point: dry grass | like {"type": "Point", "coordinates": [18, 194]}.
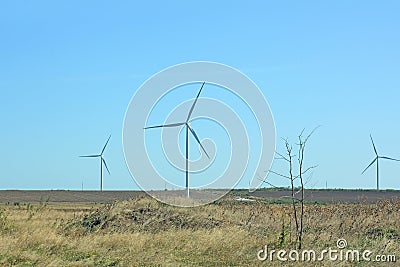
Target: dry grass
{"type": "Point", "coordinates": [143, 232]}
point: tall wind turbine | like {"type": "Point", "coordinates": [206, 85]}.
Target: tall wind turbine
{"type": "Point", "coordinates": [377, 163]}
{"type": "Point", "coordinates": [102, 161]}
{"type": "Point", "coordinates": [188, 128]}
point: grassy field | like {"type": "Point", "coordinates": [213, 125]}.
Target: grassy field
{"type": "Point", "coordinates": [143, 232]}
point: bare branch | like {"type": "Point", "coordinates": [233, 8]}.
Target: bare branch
{"type": "Point", "coordinates": [311, 133]}
{"type": "Point", "coordinates": [282, 157]}
{"type": "Point", "coordinates": [265, 181]}
{"type": "Point", "coordinates": [308, 180]}
{"type": "Point", "coordinates": [281, 175]}
{"type": "Point", "coordinates": [309, 168]}
{"type": "Point", "coordinates": [302, 131]}
{"type": "Point", "coordinates": [302, 141]}
{"type": "Point", "coordinates": [298, 191]}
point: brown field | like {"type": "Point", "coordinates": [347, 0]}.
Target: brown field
{"type": "Point", "coordinates": [67, 196]}
{"type": "Point", "coordinates": [70, 229]}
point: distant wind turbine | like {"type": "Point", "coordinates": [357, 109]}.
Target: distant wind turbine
{"type": "Point", "coordinates": [102, 161]}
{"type": "Point", "coordinates": [188, 128]}
{"type": "Point", "coordinates": [377, 163]}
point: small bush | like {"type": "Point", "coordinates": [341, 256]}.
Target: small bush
{"type": "Point", "coordinates": [5, 225]}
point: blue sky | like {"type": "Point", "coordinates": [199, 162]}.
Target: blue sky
{"type": "Point", "coordinates": [68, 70]}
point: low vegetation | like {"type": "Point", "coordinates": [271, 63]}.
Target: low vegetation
{"type": "Point", "coordinates": [143, 232]}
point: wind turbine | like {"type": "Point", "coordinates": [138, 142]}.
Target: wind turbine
{"type": "Point", "coordinates": [377, 163]}
{"type": "Point", "coordinates": [102, 161]}
{"type": "Point", "coordinates": [188, 128]}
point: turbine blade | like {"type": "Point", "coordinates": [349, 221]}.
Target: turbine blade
{"type": "Point", "coordinates": [90, 156]}
{"type": "Point", "coordinates": [389, 158]}
{"type": "Point", "coordinates": [376, 153]}
{"type": "Point", "coordinates": [370, 165]}
{"type": "Point", "coordinates": [102, 151]}
{"type": "Point", "coordinates": [198, 140]}
{"type": "Point", "coordinates": [194, 103]}
{"type": "Point", "coordinates": [165, 125]}
{"type": "Point", "coordinates": [105, 164]}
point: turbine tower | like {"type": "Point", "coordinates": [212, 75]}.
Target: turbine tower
{"type": "Point", "coordinates": [377, 163]}
{"type": "Point", "coordinates": [102, 161]}
{"type": "Point", "coordinates": [188, 128]}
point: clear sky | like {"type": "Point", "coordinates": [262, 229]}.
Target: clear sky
{"type": "Point", "coordinates": [68, 70]}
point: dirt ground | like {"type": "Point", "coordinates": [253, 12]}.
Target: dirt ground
{"type": "Point", "coordinates": [15, 197]}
